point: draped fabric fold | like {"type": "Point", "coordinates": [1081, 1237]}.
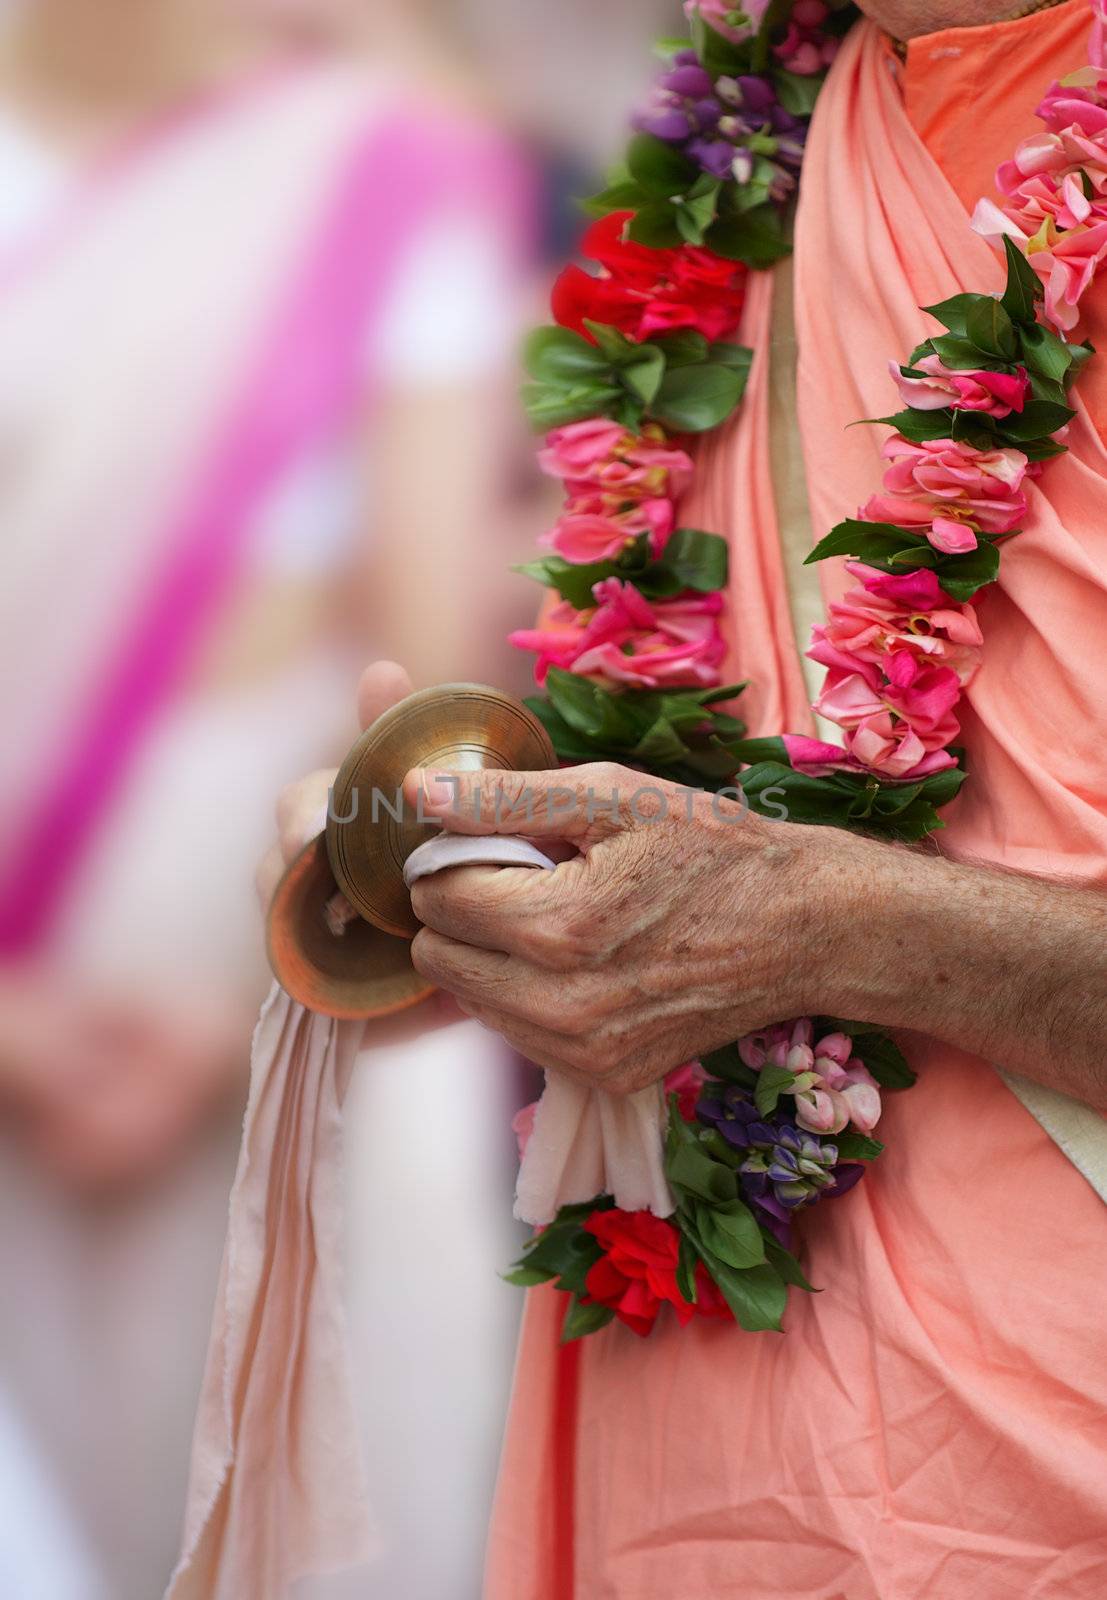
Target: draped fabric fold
{"type": "Point", "coordinates": [1034, 799]}
{"type": "Point", "coordinates": [277, 1485]}
{"type": "Point", "coordinates": [900, 1439]}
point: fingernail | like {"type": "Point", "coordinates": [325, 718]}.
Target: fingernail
{"type": "Point", "coordinates": [438, 790]}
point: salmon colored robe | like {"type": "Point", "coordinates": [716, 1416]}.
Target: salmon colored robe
{"type": "Point", "coordinates": [933, 1425]}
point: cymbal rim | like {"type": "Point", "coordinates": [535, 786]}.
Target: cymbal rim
{"type": "Point", "coordinates": [361, 974]}
{"type": "Point", "coordinates": [370, 833]}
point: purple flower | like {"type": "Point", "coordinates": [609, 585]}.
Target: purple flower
{"type": "Point", "coordinates": [730, 127]}
{"type": "Point", "coordinates": [784, 1166]}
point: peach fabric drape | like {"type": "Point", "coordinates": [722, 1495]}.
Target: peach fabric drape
{"type": "Point", "coordinates": [277, 1487]}
{"type": "Point", "coordinates": [932, 1423]}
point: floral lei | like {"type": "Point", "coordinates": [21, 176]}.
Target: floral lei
{"type": "Point", "coordinates": [629, 657]}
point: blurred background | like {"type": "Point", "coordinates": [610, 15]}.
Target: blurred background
{"type": "Point", "coordinates": [264, 265]}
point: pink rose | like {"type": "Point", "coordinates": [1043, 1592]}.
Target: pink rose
{"type": "Point", "coordinates": [870, 623]}
{"type": "Point", "coordinates": [620, 485]}
{"type": "Point", "coordinates": [939, 484]}
{"type": "Point", "coordinates": [818, 757]}
{"type": "Point", "coordinates": [806, 49]}
{"type": "Point", "coordinates": [686, 1082]}
{"type": "Point", "coordinates": [522, 1126]}
{"type": "Point", "coordinates": [898, 722]}
{"type": "Point", "coordinates": [1066, 261]}
{"type": "Point", "coordinates": [601, 456]}
{"type": "Point", "coordinates": [626, 640]}
{"type": "Point", "coordinates": [996, 394]}
{"type": "Point", "coordinates": [734, 22]}
{"type": "Point", "coordinates": [600, 527]}
{"type": "Point", "coordinates": [838, 1096]}
{"type": "Point", "coordinates": [832, 1086]}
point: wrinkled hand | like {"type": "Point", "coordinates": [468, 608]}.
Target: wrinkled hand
{"type": "Point", "coordinates": [301, 813]}
{"type": "Point", "coordinates": [302, 806]}
{"type": "Point", "coordinates": [683, 922]}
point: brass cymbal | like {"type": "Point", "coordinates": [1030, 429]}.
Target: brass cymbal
{"type": "Point", "coordinates": [352, 971]}
{"type": "Point", "coordinates": [371, 830]}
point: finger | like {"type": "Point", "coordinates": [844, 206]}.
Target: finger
{"type": "Point", "coordinates": [269, 874]}
{"type": "Point", "coordinates": [382, 685]}
{"type": "Point", "coordinates": [583, 804]}
{"type": "Point", "coordinates": [488, 978]}
{"type": "Point", "coordinates": [496, 908]}
{"type": "Point", "coordinates": [540, 1045]}
{"type": "Point", "coordinates": [302, 811]}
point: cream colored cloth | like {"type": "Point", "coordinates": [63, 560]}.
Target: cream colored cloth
{"type": "Point", "coordinates": [1075, 1128]}
{"type": "Point", "coordinates": [584, 1142]}
{"type": "Point", "coordinates": [277, 1482]}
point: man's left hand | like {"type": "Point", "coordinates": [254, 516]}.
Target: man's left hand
{"type": "Point", "coordinates": [684, 921]}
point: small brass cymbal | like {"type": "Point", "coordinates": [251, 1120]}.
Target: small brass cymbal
{"type": "Point", "coordinates": [371, 830]}
{"type": "Point", "coordinates": [349, 971]}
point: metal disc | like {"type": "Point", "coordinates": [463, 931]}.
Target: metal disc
{"type": "Point", "coordinates": [371, 830]}
{"type": "Point", "coordinates": [360, 972]}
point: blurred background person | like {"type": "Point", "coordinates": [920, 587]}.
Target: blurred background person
{"type": "Point", "coordinates": [262, 269]}
{"type": "Point", "coordinates": [258, 278]}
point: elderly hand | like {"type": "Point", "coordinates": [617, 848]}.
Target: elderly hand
{"type": "Point", "coordinates": [302, 806]}
{"type": "Point", "coordinates": [683, 923]}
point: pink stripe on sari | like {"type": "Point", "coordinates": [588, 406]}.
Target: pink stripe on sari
{"type": "Point", "coordinates": [307, 377]}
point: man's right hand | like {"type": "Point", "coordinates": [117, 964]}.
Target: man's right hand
{"type": "Point", "coordinates": [302, 806]}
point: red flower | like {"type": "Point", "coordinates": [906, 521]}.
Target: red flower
{"type": "Point", "coordinates": [636, 1275]}
{"type": "Point", "coordinates": [643, 291]}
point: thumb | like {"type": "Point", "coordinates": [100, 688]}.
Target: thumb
{"type": "Point", "coordinates": [585, 803]}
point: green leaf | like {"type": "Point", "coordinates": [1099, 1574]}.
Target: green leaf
{"type": "Point", "coordinates": [856, 537]}
{"type": "Point", "coordinates": [581, 1319]}
{"type": "Point", "coordinates": [1038, 419]}
{"type": "Point", "coordinates": [917, 425]}
{"type": "Point", "coordinates": [962, 576]}
{"type": "Point", "coordinates": [952, 313]}
{"type": "Point", "coordinates": [717, 54]}
{"type": "Point", "coordinates": [558, 355]}
{"type": "Point", "coordinates": [787, 1265]}
{"type": "Point", "coordinates": [696, 212]}
{"type": "Point", "coordinates": [683, 348]}
{"type": "Point", "coordinates": [552, 406]}
{"type": "Point", "coordinates": [756, 237]}
{"type": "Point", "coordinates": [696, 559]}
{"type": "Point", "coordinates": [644, 376]}
{"type": "Point", "coordinates": [623, 196]}
{"type": "Point", "coordinates": [726, 1063]}
{"type": "Point", "coordinates": [883, 1057]}
{"type": "Point", "coordinates": [771, 1084]}
{"type": "Point", "coordinates": [991, 329]}
{"type": "Point", "coordinates": [588, 708]}
{"type": "Point", "coordinates": [573, 581]}
{"type": "Point", "coordinates": [659, 168]}
{"type": "Point", "coordinates": [659, 746]}
{"type": "Point", "coordinates": [724, 354]}
{"type": "Point", "coordinates": [691, 1168]}
{"type": "Point", "coordinates": [961, 353]}
{"type": "Point", "coordinates": [857, 1146]}
{"type": "Point", "coordinates": [730, 1232]}
{"type": "Point", "coordinates": [1044, 353]}
{"type": "Point", "coordinates": [525, 1277]}
{"type": "Point", "coordinates": [797, 94]}
{"type": "Point", "coordinates": [687, 1258]}
{"type": "Point", "coordinates": [1024, 287]}
{"type": "Point", "coordinates": [757, 1296]}
{"type": "Point", "coordinates": [694, 399]}
{"type": "Point", "coordinates": [655, 225]}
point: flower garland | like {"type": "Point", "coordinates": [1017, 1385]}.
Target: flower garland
{"type": "Point", "coordinates": [641, 355]}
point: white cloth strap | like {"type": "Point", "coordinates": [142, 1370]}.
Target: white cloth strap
{"type": "Point", "coordinates": [584, 1141]}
